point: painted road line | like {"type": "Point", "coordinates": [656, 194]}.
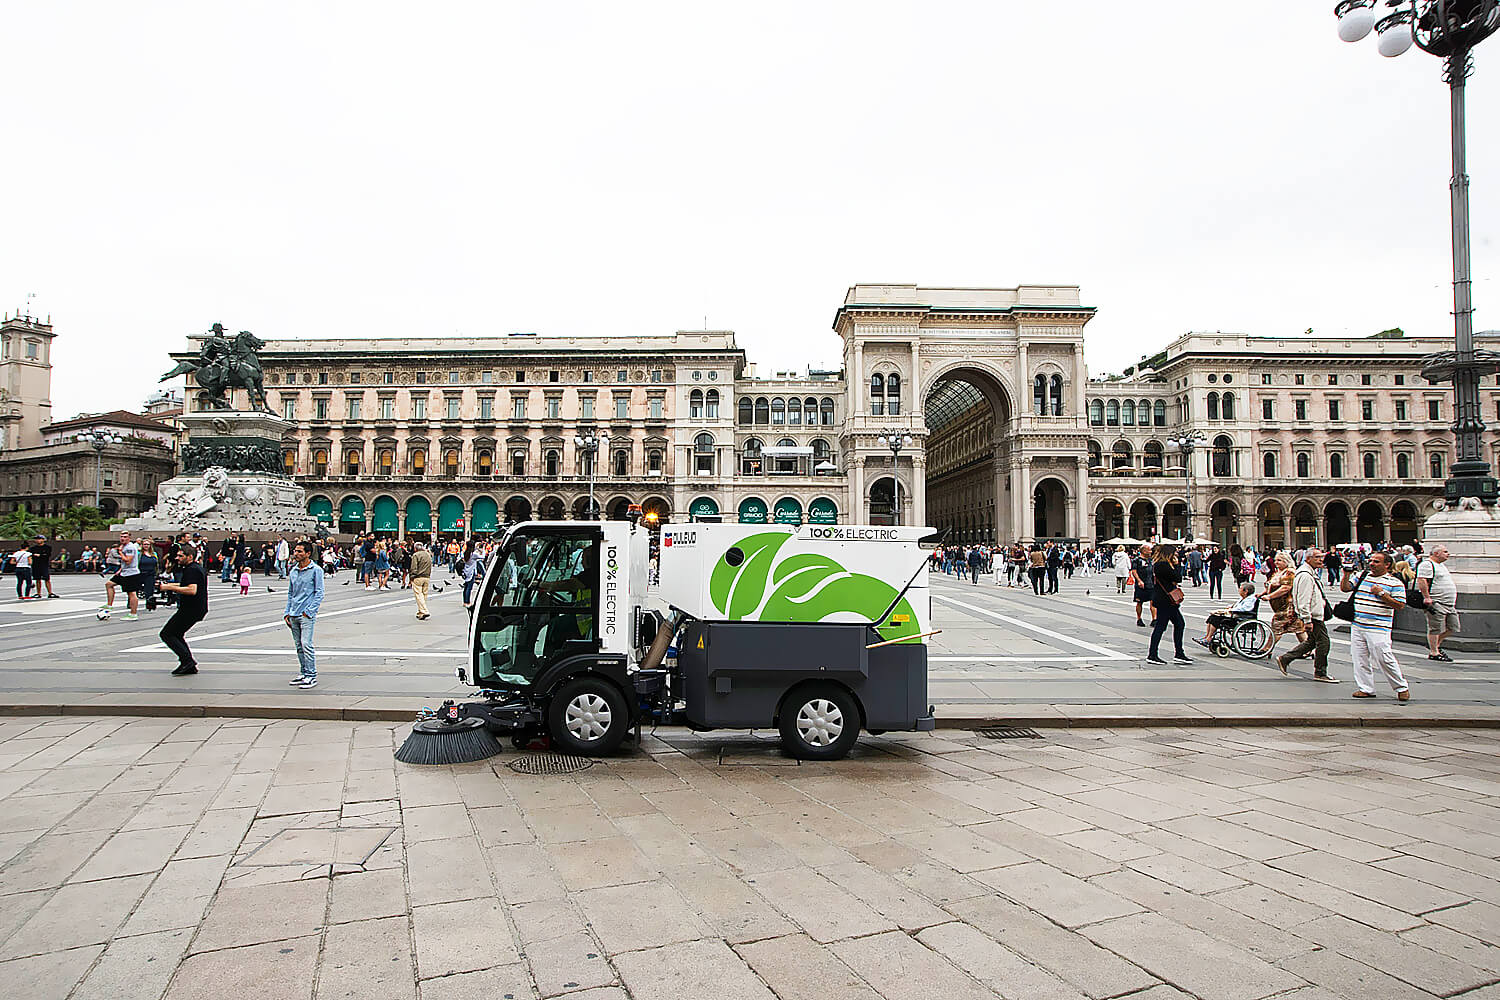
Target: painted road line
{"type": "Point", "coordinates": [1106, 653]}
{"type": "Point", "coordinates": [1011, 659]}
{"type": "Point", "coordinates": [278, 623]}
{"type": "Point", "coordinates": [365, 653]}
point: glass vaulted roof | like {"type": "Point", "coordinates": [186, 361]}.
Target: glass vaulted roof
{"type": "Point", "coordinates": [950, 401]}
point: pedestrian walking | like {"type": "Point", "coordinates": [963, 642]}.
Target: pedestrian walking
{"type": "Point", "coordinates": [1278, 594]}
{"type": "Point", "coordinates": [1435, 581]}
{"type": "Point", "coordinates": [21, 560]}
{"type": "Point", "coordinates": [1377, 594]}
{"type": "Point", "coordinates": [1195, 566]}
{"type": "Point", "coordinates": [283, 557]}
{"type": "Point", "coordinates": [1143, 575]}
{"type": "Point", "coordinates": [1121, 563]}
{"type": "Point", "coordinates": [1310, 604]}
{"type": "Point", "coordinates": [976, 562]}
{"type": "Point", "coordinates": [421, 578]}
{"type": "Point", "coordinates": [304, 596]}
{"type": "Point", "coordinates": [127, 578]}
{"type": "Point", "coordinates": [191, 589]}
{"type": "Point", "coordinates": [1166, 603]}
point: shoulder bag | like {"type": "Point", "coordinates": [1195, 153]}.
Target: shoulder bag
{"type": "Point", "coordinates": [1344, 610]}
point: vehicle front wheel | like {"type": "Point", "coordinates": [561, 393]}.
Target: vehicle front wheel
{"type": "Point", "coordinates": [588, 716]}
{"type": "Point", "coordinates": [819, 722]}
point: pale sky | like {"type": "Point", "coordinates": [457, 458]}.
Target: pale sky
{"type": "Point", "coordinates": [371, 169]}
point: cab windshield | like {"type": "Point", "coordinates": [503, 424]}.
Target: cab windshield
{"type": "Point", "coordinates": [539, 606]}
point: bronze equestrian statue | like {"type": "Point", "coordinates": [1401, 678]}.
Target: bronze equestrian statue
{"type": "Point", "coordinates": [224, 364]}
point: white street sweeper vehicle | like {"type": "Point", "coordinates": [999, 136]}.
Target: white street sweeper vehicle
{"type": "Point", "coordinates": [816, 630]}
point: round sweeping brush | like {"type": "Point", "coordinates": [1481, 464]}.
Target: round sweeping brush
{"type": "Point", "coordinates": [440, 741]}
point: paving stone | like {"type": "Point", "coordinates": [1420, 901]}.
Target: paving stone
{"type": "Point", "coordinates": [77, 915]}
{"type": "Point", "coordinates": [662, 842]}
{"type": "Point", "coordinates": [559, 947]}
{"type": "Point", "coordinates": [821, 908]}
{"type": "Point", "coordinates": [444, 870]}
{"type": "Point", "coordinates": [179, 897]}
{"type": "Point", "coordinates": [682, 970]}
{"type": "Point", "coordinates": [996, 966]}
{"type": "Point", "coordinates": [368, 958]}
{"type": "Point", "coordinates": [1476, 919]}
{"type": "Point", "coordinates": [488, 984]}
{"type": "Point", "coordinates": [729, 905]}
{"type": "Point", "coordinates": [284, 800]}
{"type": "Point", "coordinates": [50, 860]}
{"type": "Point", "coordinates": [900, 968]}
{"type": "Point", "coordinates": [135, 968]}
{"type": "Point", "coordinates": [1057, 895]}
{"type": "Point", "coordinates": [797, 968]}
{"type": "Point", "coordinates": [643, 915]}
{"type": "Point", "coordinates": [1468, 950]}
{"type": "Point", "coordinates": [606, 861]}
{"type": "Point", "coordinates": [463, 936]}
{"type": "Point", "coordinates": [964, 850]}
{"type": "Point", "coordinates": [524, 872]}
{"type": "Point", "coordinates": [1396, 957]}
{"type": "Point", "coordinates": [51, 976]}
{"type": "Point", "coordinates": [135, 852]}
{"type": "Point", "coordinates": [500, 824]}
{"type": "Point", "coordinates": [1268, 906]}
{"type": "Point", "coordinates": [1331, 898]}
{"type": "Point", "coordinates": [1049, 848]}
{"type": "Point", "coordinates": [243, 915]}
{"type": "Point", "coordinates": [570, 823]}
{"type": "Point", "coordinates": [368, 896]}
{"type": "Point", "coordinates": [278, 970]}
{"type": "Point", "coordinates": [1396, 891]}
{"type": "Point", "coordinates": [219, 831]}
{"type": "Point", "coordinates": [907, 908]}
{"type": "Point", "coordinates": [1350, 979]}
{"type": "Point", "coordinates": [437, 822]}
{"type": "Point", "coordinates": [1190, 959]}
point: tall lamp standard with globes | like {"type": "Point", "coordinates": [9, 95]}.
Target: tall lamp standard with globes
{"type": "Point", "coordinates": [589, 443]}
{"type": "Point", "coordinates": [895, 439]}
{"type": "Point", "coordinates": [1185, 443]}
{"type": "Point", "coordinates": [1449, 29]}
{"type": "Point", "coordinates": [98, 440]}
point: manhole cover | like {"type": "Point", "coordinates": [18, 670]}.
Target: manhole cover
{"type": "Point", "coordinates": [1008, 733]}
{"type": "Point", "coordinates": [548, 763]}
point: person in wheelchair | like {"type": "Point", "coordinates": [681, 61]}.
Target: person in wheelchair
{"type": "Point", "coordinates": [1248, 606]}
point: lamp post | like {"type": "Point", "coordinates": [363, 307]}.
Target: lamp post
{"type": "Point", "coordinates": [1449, 29]}
{"type": "Point", "coordinates": [1185, 443]}
{"type": "Point", "coordinates": [590, 443]}
{"type": "Point", "coordinates": [98, 440]}
{"type": "Point", "coordinates": [895, 439]}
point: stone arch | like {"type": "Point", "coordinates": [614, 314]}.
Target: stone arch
{"type": "Point", "coordinates": [967, 406]}
{"type": "Point", "coordinates": [1369, 522]}
{"type": "Point", "coordinates": [1049, 510]}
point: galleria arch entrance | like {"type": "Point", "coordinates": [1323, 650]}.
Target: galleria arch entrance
{"type": "Point", "coordinates": [968, 419]}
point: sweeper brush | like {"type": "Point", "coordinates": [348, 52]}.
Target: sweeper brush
{"type": "Point", "coordinates": [446, 740]}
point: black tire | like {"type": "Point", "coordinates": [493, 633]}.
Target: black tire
{"type": "Point", "coordinates": [819, 722]}
{"type": "Point", "coordinates": [588, 716]}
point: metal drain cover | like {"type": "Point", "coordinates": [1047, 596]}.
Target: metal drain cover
{"type": "Point", "coordinates": [549, 763]}
{"type": "Point", "coordinates": [1008, 733]}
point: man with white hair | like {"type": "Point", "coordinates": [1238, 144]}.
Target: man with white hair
{"type": "Point", "coordinates": [1436, 584]}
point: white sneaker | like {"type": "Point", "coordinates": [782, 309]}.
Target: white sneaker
{"type": "Point", "coordinates": [295, 681]}
{"type": "Point", "coordinates": [368, 587]}
{"type": "Point", "coordinates": [307, 682]}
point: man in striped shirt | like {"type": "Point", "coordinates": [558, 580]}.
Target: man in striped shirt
{"type": "Point", "coordinates": [1380, 593]}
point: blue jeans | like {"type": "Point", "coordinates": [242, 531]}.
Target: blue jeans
{"type": "Point", "coordinates": [302, 638]}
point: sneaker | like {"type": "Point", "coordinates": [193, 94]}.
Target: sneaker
{"type": "Point", "coordinates": [1155, 659]}
{"type": "Point", "coordinates": [308, 682]}
{"type": "Point", "coordinates": [51, 597]}
{"type": "Point", "coordinates": [1440, 656]}
{"type": "Point", "coordinates": [1202, 641]}
{"type": "Point", "coordinates": [1182, 658]}
{"type": "Point", "coordinates": [129, 616]}
{"type": "Point", "coordinates": [184, 671]}
{"type": "Point", "coordinates": [295, 681]}
{"type": "Point", "coordinates": [1325, 679]}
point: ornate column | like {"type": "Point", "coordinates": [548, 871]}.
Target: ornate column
{"type": "Point", "coordinates": [1023, 384]}
{"type": "Point", "coordinates": [919, 484]}
{"type": "Point", "coordinates": [860, 507]}
{"type": "Point", "coordinates": [1021, 500]}
{"type": "Point", "coordinates": [1080, 383]}
{"type": "Point", "coordinates": [858, 379]}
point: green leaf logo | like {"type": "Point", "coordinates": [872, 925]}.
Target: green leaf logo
{"type": "Point", "coordinates": [736, 590]}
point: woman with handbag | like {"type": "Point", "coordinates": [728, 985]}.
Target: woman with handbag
{"type": "Point", "coordinates": [1278, 593]}
{"type": "Point", "coordinates": [1166, 602]}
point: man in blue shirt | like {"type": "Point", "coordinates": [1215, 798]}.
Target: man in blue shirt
{"type": "Point", "coordinates": [304, 595]}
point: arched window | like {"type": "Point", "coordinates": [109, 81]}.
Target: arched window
{"type": "Point", "coordinates": [289, 462]}
{"type": "Point", "coordinates": [1304, 465]}
{"type": "Point", "coordinates": [1228, 406]}
{"type": "Point", "coordinates": [786, 464]}
{"type": "Point", "coordinates": [450, 463]}
{"type": "Point", "coordinates": [1127, 412]}
{"type": "Point", "coordinates": [1121, 456]}
{"type": "Point", "coordinates": [1039, 395]}
{"type": "Point", "coordinates": [419, 462]}
{"type": "Point", "coordinates": [703, 454]}
{"type": "Point", "coordinates": [826, 407]}
{"type": "Point", "coordinates": [1096, 453]}
{"type": "Point", "coordinates": [1112, 413]}
{"type": "Point", "coordinates": [320, 462]}
{"type": "Point", "coordinates": [695, 404]}
{"type": "Point", "coordinates": [1096, 412]}
{"type": "Point", "coordinates": [1159, 413]}
{"type": "Point", "coordinates": [653, 461]}
{"type": "Point", "coordinates": [810, 408]}
{"type": "Point", "coordinates": [1143, 413]}
{"type": "Point", "coordinates": [551, 462]}
{"type": "Point", "coordinates": [1221, 454]}
{"type": "Point", "coordinates": [1268, 465]}
{"type": "Point", "coordinates": [1336, 465]}
{"type": "Point", "coordinates": [1403, 466]}
{"type": "Point", "coordinates": [386, 460]}
{"type": "Point", "coordinates": [1435, 464]}
{"type": "Point", "coordinates": [822, 455]}
{"type": "Point", "coordinates": [1057, 395]}
{"type": "Point", "coordinates": [711, 401]}
{"type": "Point", "coordinates": [794, 412]}
{"type": "Point", "coordinates": [1154, 455]}
{"type": "Point", "coordinates": [877, 394]}
{"type": "Point", "coordinates": [762, 410]}
{"type": "Point", "coordinates": [747, 411]}
{"type": "Point", "coordinates": [750, 460]}
{"type": "Point", "coordinates": [1369, 460]}
{"type": "Point", "coordinates": [778, 411]}
{"type": "Point", "coordinates": [351, 463]}
{"type": "Point", "coordinates": [484, 463]}
{"type": "Point", "coordinates": [622, 462]}
{"type": "Point", "coordinates": [1213, 406]}
{"type": "Point", "coordinates": [893, 394]}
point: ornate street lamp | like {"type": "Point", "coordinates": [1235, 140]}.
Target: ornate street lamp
{"type": "Point", "coordinates": [98, 440]}
{"type": "Point", "coordinates": [590, 443]}
{"type": "Point", "coordinates": [1185, 443]}
{"type": "Point", "coordinates": [895, 439]}
{"type": "Point", "coordinates": [1449, 29]}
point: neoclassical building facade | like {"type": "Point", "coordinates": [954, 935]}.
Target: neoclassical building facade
{"type": "Point", "coordinates": [967, 409]}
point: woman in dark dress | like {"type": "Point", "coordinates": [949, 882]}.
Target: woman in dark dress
{"type": "Point", "coordinates": [1166, 596]}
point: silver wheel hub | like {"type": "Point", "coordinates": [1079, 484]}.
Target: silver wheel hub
{"type": "Point", "coordinates": [819, 722]}
{"type": "Point", "coordinates": [588, 717]}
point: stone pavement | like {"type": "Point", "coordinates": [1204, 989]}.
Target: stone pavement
{"type": "Point", "coordinates": [1075, 658]}
{"type": "Point", "coordinates": [234, 858]}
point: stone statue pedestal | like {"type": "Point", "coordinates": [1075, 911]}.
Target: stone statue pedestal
{"type": "Point", "coordinates": [231, 480]}
{"type": "Point", "coordinates": [1471, 533]}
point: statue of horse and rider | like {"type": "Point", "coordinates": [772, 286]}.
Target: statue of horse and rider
{"type": "Point", "coordinates": [223, 364]}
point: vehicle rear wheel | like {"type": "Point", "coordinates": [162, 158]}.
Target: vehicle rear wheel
{"type": "Point", "coordinates": [588, 716]}
{"type": "Point", "coordinates": [819, 722]}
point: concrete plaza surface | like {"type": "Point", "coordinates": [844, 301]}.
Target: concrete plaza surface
{"type": "Point", "coordinates": [142, 858]}
{"type": "Point", "coordinates": [1075, 658]}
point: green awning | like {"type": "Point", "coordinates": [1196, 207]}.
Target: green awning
{"type": "Point", "coordinates": [753, 510]}
{"type": "Point", "coordinates": [822, 511]}
{"type": "Point", "coordinates": [418, 514]}
{"type": "Point", "coordinates": [450, 514]}
{"type": "Point", "coordinates": [788, 511]}
{"type": "Point", "coordinates": [703, 507]}
{"type": "Point", "coordinates": [352, 509]}
{"type": "Point", "coordinates": [386, 515]}
{"type": "Point", "coordinates": [486, 516]}
{"type": "Point", "coordinates": [321, 508]}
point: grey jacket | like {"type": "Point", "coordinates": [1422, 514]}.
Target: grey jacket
{"type": "Point", "coordinates": [1307, 594]}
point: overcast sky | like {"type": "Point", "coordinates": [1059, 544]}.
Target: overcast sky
{"type": "Point", "coordinates": [312, 170]}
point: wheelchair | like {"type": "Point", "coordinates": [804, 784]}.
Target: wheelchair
{"type": "Point", "coordinates": [1248, 636]}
